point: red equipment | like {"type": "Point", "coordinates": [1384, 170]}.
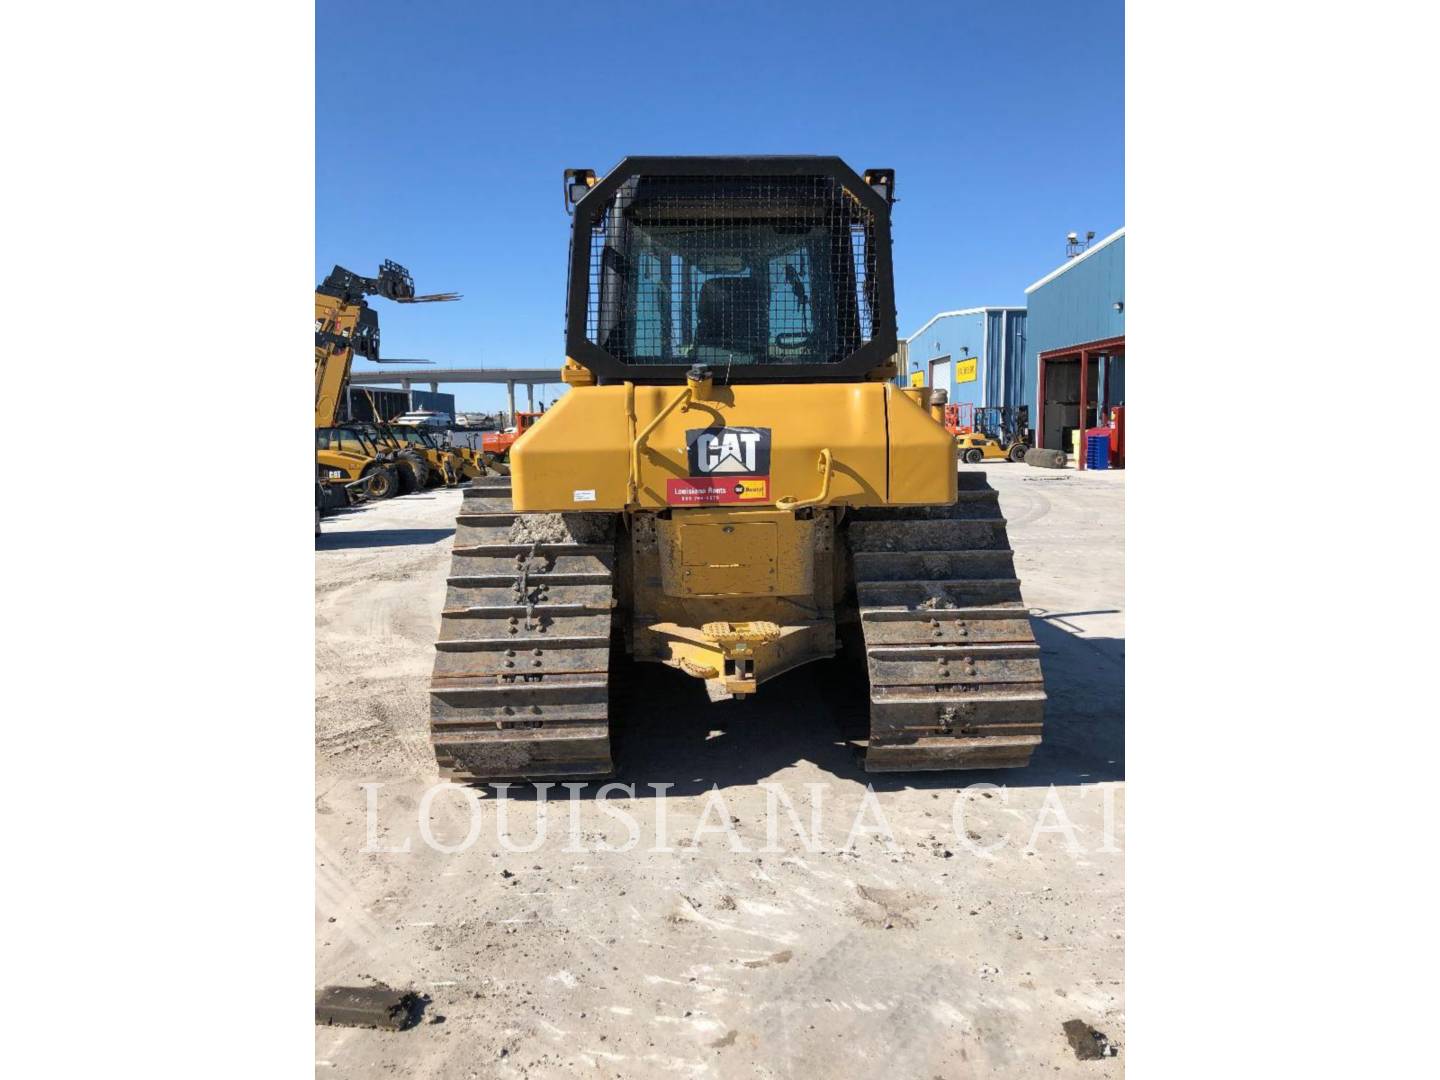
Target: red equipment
{"type": "Point", "coordinates": [499, 442]}
{"type": "Point", "coordinates": [960, 418]}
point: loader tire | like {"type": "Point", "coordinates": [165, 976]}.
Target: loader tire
{"type": "Point", "coordinates": [414, 473]}
{"type": "Point", "coordinates": [974, 456]}
{"type": "Point", "coordinates": [1018, 452]}
{"type": "Point", "coordinates": [384, 482]}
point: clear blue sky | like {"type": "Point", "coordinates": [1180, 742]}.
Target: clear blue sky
{"type": "Point", "coordinates": [443, 128]}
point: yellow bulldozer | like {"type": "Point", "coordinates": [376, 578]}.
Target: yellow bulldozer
{"type": "Point", "coordinates": [733, 486]}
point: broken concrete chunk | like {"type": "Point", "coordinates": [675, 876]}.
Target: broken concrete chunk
{"type": "Point", "coordinates": [1088, 1044]}
{"type": "Point", "coordinates": [369, 1006]}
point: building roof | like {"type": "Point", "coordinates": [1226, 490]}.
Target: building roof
{"type": "Point", "coordinates": [1070, 263]}
{"type": "Point", "coordinates": [963, 311]}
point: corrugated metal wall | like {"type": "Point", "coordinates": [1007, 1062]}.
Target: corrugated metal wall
{"type": "Point", "coordinates": [994, 338]}
{"type": "Point", "coordinates": [1020, 378]}
{"type": "Point", "coordinates": [1079, 305]}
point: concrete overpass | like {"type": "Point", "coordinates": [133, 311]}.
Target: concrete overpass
{"type": "Point", "coordinates": [511, 377]}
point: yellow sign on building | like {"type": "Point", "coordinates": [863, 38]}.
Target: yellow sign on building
{"type": "Point", "coordinates": [965, 370]}
{"type": "Point", "coordinates": [917, 378]}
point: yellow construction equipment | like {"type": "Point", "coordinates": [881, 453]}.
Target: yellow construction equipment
{"type": "Point", "coordinates": [345, 456]}
{"type": "Point", "coordinates": [345, 327]}
{"type": "Point", "coordinates": [733, 486]}
{"type": "Point", "coordinates": [423, 462]}
{"type": "Point", "coordinates": [973, 448]}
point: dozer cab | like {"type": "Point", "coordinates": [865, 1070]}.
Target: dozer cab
{"type": "Point", "coordinates": [732, 486]}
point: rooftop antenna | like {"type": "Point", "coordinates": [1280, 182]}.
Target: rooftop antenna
{"type": "Point", "coordinates": [1074, 245]}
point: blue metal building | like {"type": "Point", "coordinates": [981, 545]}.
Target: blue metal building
{"type": "Point", "coordinates": [1076, 346]}
{"type": "Point", "coordinates": [977, 354]}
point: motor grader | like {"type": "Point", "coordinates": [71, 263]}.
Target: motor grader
{"type": "Point", "coordinates": [732, 486]}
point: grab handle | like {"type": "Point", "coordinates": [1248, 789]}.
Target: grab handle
{"type": "Point", "coordinates": [826, 467]}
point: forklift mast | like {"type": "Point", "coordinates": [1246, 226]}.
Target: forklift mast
{"type": "Point", "coordinates": [346, 327]}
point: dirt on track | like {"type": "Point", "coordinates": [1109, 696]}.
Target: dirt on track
{"type": "Point", "coordinates": [724, 953]}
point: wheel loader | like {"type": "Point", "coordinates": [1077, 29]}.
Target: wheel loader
{"type": "Point", "coordinates": [732, 486]}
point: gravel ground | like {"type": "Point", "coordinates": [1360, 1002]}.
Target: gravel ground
{"type": "Point", "coordinates": [895, 942]}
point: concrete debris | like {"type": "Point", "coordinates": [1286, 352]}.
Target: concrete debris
{"type": "Point", "coordinates": [369, 1007]}
{"type": "Point", "coordinates": [544, 528]}
{"type": "Point", "coordinates": [1088, 1044]}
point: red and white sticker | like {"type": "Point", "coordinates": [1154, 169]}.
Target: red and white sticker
{"type": "Point", "coordinates": [709, 490]}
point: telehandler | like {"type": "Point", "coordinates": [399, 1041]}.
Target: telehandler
{"type": "Point", "coordinates": [423, 462]}
{"type": "Point", "coordinates": [346, 326]}
{"type": "Point", "coordinates": [447, 465]}
{"type": "Point", "coordinates": [344, 456]}
{"type": "Point", "coordinates": [732, 486]}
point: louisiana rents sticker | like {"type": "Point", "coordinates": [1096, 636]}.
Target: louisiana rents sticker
{"type": "Point", "coordinates": [727, 465]}
{"type": "Point", "coordinates": [696, 491]}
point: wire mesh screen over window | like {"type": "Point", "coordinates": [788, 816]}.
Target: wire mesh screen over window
{"type": "Point", "coordinates": [731, 270]}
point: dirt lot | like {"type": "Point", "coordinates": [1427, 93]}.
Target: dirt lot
{"type": "Point", "coordinates": [712, 956]}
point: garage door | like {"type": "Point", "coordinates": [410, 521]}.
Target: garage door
{"type": "Point", "coordinates": [940, 373]}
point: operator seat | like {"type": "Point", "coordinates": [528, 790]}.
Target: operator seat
{"type": "Point", "coordinates": [732, 318]}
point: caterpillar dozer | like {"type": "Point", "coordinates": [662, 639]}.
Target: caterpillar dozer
{"type": "Point", "coordinates": [733, 486]}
